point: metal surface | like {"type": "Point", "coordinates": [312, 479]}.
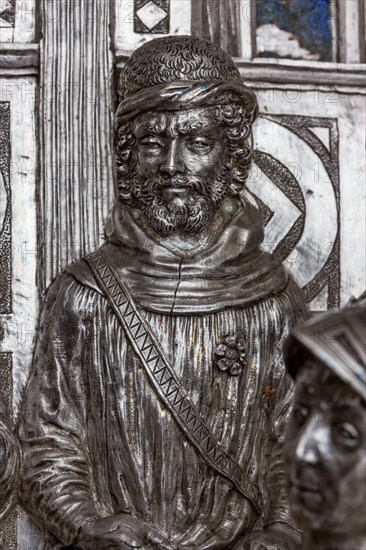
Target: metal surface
{"type": "Point", "coordinates": [5, 211]}
{"type": "Point", "coordinates": [326, 438]}
{"type": "Point", "coordinates": [9, 465]}
{"type": "Point", "coordinates": [105, 462]}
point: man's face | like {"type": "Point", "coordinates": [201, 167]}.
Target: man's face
{"type": "Point", "coordinates": [179, 179]}
{"type": "Point", "coordinates": [326, 455]}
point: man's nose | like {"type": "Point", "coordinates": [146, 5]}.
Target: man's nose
{"type": "Point", "coordinates": [173, 163]}
{"type": "Point", "coordinates": [312, 442]}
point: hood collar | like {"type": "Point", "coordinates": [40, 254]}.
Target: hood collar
{"type": "Point", "coordinates": [224, 268]}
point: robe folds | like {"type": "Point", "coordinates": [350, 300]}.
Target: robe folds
{"type": "Point", "coordinates": [97, 440]}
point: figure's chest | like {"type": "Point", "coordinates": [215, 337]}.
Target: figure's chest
{"type": "Point", "coordinates": [221, 362]}
{"type": "Point", "coordinates": [220, 358]}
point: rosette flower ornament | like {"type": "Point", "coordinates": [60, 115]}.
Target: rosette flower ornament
{"type": "Point", "coordinates": [230, 355]}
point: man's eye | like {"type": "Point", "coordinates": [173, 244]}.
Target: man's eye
{"type": "Point", "coordinates": [300, 414]}
{"type": "Point", "coordinates": [152, 144]}
{"type": "Point", "coordinates": [346, 434]}
{"type": "Point", "coordinates": [200, 144]}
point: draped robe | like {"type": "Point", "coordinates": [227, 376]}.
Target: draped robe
{"type": "Point", "coordinates": [97, 440]}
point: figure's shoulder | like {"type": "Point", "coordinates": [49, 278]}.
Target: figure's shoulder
{"type": "Point", "coordinates": [81, 272]}
{"type": "Point", "coordinates": [291, 302]}
{"type": "Point", "coordinates": [72, 290]}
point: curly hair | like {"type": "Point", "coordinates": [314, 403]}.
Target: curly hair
{"type": "Point", "coordinates": [9, 464]}
{"type": "Point", "coordinates": [172, 58]}
{"type": "Point", "coordinates": [230, 113]}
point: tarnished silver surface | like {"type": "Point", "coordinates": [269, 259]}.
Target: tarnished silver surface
{"type": "Point", "coordinates": [9, 469]}
{"type": "Point", "coordinates": [109, 458]}
{"type": "Point", "coordinates": [326, 437]}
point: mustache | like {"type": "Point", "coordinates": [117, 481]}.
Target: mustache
{"type": "Point", "coordinates": [151, 185]}
{"type": "Point", "coordinates": [318, 482]}
{"type": "Point", "coordinates": [194, 209]}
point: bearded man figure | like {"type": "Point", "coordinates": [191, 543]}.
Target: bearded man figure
{"type": "Point", "coordinates": [155, 414]}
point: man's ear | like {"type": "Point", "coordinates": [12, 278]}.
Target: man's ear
{"type": "Point", "coordinates": [228, 160]}
{"type": "Point", "coordinates": [246, 129]}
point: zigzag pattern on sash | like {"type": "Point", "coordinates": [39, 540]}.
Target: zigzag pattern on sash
{"type": "Point", "coordinates": [164, 379]}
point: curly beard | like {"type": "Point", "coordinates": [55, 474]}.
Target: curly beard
{"type": "Point", "coordinates": [190, 212]}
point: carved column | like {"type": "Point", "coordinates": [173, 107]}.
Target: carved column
{"type": "Point", "coordinates": [221, 21]}
{"type": "Point", "coordinates": [76, 172]}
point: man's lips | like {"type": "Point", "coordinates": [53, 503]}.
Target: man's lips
{"type": "Point", "coordinates": [309, 496]}
{"type": "Point", "coordinates": [306, 486]}
{"type": "Point", "coordinates": [179, 188]}
{"type": "Point", "coordinates": [169, 193]}
{"type": "Point", "coordinates": [177, 185]}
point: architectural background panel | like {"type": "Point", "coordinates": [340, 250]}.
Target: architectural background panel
{"type": "Point", "coordinates": [7, 14]}
{"type": "Point", "coordinates": [137, 21]}
{"type": "Point", "coordinates": [293, 233]}
{"type": "Point", "coordinates": [18, 20]}
{"type": "Point", "coordinates": [5, 210]}
{"type": "Point", "coordinates": [76, 136]}
{"type": "Point", "coordinates": [18, 325]}
{"type": "Point", "coordinates": [308, 174]}
{"type": "Point", "coordinates": [220, 21]}
{"type": "Point", "coordinates": [151, 16]}
{"type": "Point", "coordinates": [6, 385]}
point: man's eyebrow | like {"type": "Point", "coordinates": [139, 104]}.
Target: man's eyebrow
{"type": "Point", "coordinates": [346, 403]}
{"type": "Point", "coordinates": [190, 127]}
{"type": "Point", "coordinates": [151, 128]}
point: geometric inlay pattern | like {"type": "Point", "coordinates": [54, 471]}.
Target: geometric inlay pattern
{"type": "Point", "coordinates": [6, 385]}
{"type": "Point", "coordinates": [7, 13]}
{"type": "Point", "coordinates": [287, 204]}
{"type": "Point", "coordinates": [163, 377]}
{"type": "Point", "coordinates": [151, 16]}
{"type": "Point", "coordinates": [297, 218]}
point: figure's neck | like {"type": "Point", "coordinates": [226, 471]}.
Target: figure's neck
{"type": "Point", "coordinates": [329, 541]}
{"type": "Point", "coordinates": [185, 244]}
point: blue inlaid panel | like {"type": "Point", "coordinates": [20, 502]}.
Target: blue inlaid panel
{"type": "Point", "coordinates": [297, 29]}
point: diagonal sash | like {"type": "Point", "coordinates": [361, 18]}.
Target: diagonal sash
{"type": "Point", "coordinates": [164, 380]}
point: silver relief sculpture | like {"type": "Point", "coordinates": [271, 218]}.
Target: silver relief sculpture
{"type": "Point", "coordinates": [326, 437]}
{"type": "Point", "coordinates": [155, 413]}
{"type": "Point", "coordinates": [9, 469]}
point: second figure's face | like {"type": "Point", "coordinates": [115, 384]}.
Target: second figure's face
{"type": "Point", "coordinates": [179, 179]}
{"type": "Point", "coordinates": [325, 454]}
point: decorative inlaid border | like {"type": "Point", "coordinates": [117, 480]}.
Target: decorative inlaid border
{"type": "Point", "coordinates": [5, 211]}
{"type": "Point", "coordinates": [295, 213]}
{"type": "Point", "coordinates": [329, 275]}
{"type": "Point", "coordinates": [151, 16]}
{"type": "Point", "coordinates": [6, 384]}
{"type": "Point", "coordinates": [7, 13]}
